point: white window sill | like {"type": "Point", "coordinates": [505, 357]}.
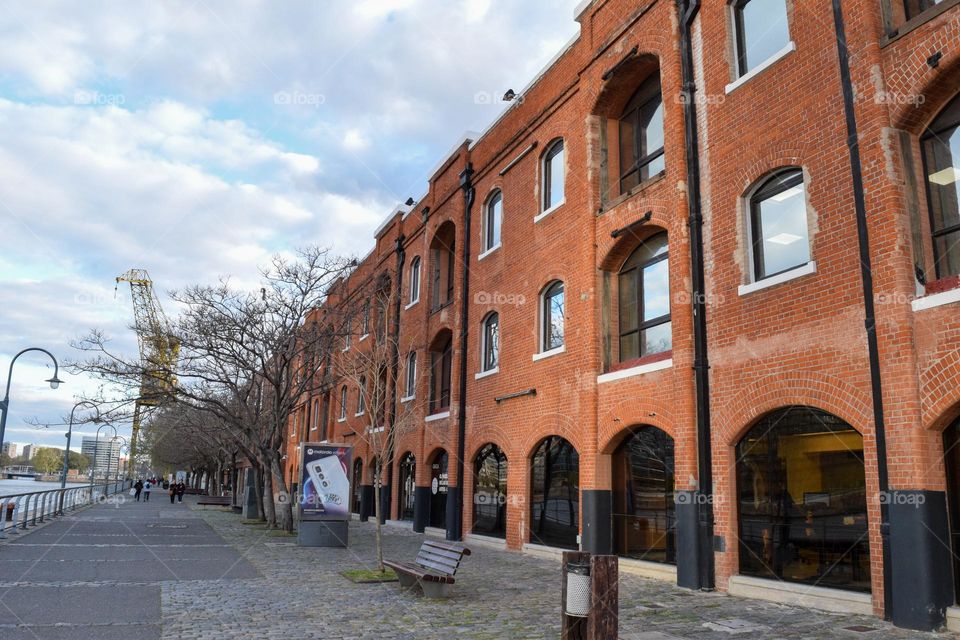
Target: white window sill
{"type": "Point", "coordinates": [484, 374]}
{"type": "Point", "coordinates": [780, 278]}
{"type": "Point", "coordinates": [407, 399]}
{"type": "Point", "coordinates": [377, 430]}
{"type": "Point", "coordinates": [488, 252]}
{"type": "Point", "coordinates": [357, 415]}
{"type": "Point", "coordinates": [635, 371]}
{"type": "Point", "coordinates": [546, 354]}
{"type": "Point", "coordinates": [791, 46]}
{"type": "Point", "coordinates": [344, 419]}
{"type": "Point", "coordinates": [412, 304]}
{"type": "Point", "coordinates": [936, 300]}
{"type": "Point", "coordinates": [364, 337]}
{"type": "Point", "coordinates": [345, 349]}
{"type": "Point", "coordinates": [437, 416]}
{"type": "Point", "coordinates": [540, 216]}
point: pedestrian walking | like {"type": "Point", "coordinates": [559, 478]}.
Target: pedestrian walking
{"type": "Point", "coordinates": [181, 488]}
{"type": "Point", "coordinates": [173, 492]}
{"type": "Point", "coordinates": [146, 491]}
{"type": "Point", "coordinates": [137, 488]}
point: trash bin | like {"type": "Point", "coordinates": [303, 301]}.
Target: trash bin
{"type": "Point", "coordinates": [578, 589]}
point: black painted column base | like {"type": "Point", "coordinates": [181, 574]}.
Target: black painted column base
{"type": "Point", "coordinates": [454, 514]}
{"type": "Point", "coordinates": [421, 508]}
{"type": "Point", "coordinates": [597, 505]}
{"type": "Point", "coordinates": [920, 559]}
{"type": "Point", "coordinates": [366, 502]}
{"type": "Point", "coordinates": [384, 504]}
{"type": "Point", "coordinates": [688, 539]}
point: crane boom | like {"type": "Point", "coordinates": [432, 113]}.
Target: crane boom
{"type": "Point", "coordinates": [159, 350]}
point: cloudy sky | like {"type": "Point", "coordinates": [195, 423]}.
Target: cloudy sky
{"type": "Point", "coordinates": [197, 138]}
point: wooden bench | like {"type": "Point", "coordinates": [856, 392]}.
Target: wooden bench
{"type": "Point", "coordinates": [214, 501]}
{"type": "Point", "coordinates": [434, 568]}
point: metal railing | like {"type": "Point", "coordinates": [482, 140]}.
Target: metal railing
{"type": "Point", "coordinates": [23, 510]}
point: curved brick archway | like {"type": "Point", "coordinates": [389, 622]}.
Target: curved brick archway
{"type": "Point", "coordinates": [612, 429]}
{"type": "Point", "coordinates": [940, 392]}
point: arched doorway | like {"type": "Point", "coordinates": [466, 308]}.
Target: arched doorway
{"type": "Point", "coordinates": [438, 490]}
{"type": "Point", "coordinates": [801, 491]}
{"type": "Point", "coordinates": [357, 485]}
{"type": "Point", "coordinates": [405, 501]}
{"type": "Point", "coordinates": [951, 458]}
{"type": "Point", "coordinates": [555, 494]}
{"type": "Point", "coordinates": [490, 492]}
{"type": "Point", "coordinates": [644, 516]}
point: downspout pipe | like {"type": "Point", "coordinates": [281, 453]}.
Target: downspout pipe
{"type": "Point", "coordinates": [701, 364]}
{"type": "Point", "coordinates": [870, 322]}
{"type": "Point", "coordinates": [455, 500]}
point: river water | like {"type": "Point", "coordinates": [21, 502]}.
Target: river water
{"type": "Point", "coordinates": [14, 487]}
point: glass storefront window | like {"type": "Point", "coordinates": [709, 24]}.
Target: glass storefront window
{"type": "Point", "coordinates": [490, 492]}
{"type": "Point", "coordinates": [555, 500]}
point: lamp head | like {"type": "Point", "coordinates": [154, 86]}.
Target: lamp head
{"type": "Point", "coordinates": [54, 381]}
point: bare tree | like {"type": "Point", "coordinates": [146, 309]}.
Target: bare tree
{"type": "Point", "coordinates": [246, 359]}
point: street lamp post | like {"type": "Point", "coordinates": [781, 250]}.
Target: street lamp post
{"type": "Point", "coordinates": [5, 403]}
{"type": "Point", "coordinates": [66, 454]}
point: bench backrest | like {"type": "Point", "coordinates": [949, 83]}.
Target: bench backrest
{"type": "Point", "coordinates": [441, 557]}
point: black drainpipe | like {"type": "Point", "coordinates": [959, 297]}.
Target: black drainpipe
{"type": "Point", "coordinates": [863, 240]}
{"type": "Point", "coordinates": [701, 364]}
{"type": "Point", "coordinates": [455, 499]}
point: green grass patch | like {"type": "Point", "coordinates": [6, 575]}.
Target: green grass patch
{"type": "Point", "coordinates": [254, 522]}
{"type": "Point", "coordinates": [368, 576]}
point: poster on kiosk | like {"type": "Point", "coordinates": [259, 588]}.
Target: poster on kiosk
{"type": "Point", "coordinates": [325, 478]}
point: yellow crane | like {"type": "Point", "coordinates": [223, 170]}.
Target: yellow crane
{"type": "Point", "coordinates": [159, 350]}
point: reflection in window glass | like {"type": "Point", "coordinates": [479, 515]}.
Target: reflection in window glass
{"type": "Point", "coordinates": [641, 135]}
{"type": "Point", "coordinates": [492, 222]}
{"type": "Point", "coordinates": [555, 499]}
{"type": "Point", "coordinates": [644, 514]}
{"type": "Point", "coordinates": [913, 8]}
{"type": "Point", "coordinates": [415, 280]}
{"type": "Point", "coordinates": [408, 470]}
{"type": "Point", "coordinates": [491, 342]}
{"type": "Point", "coordinates": [644, 301]}
{"type": "Point", "coordinates": [411, 374]}
{"type": "Point", "coordinates": [553, 176]}
{"type": "Point", "coordinates": [553, 317]}
{"type": "Point", "coordinates": [762, 31]}
{"type": "Point", "coordinates": [802, 498]}
{"type": "Point", "coordinates": [438, 490]}
{"type": "Point", "coordinates": [490, 492]}
{"type": "Point", "coordinates": [780, 236]}
{"type": "Point", "coordinates": [941, 156]}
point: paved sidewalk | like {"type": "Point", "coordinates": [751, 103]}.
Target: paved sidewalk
{"type": "Point", "coordinates": [168, 571]}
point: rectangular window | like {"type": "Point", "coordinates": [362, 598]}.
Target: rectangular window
{"type": "Point", "coordinates": [941, 158]}
{"type": "Point", "coordinates": [762, 30]}
{"type": "Point", "coordinates": [913, 8]}
{"type": "Point", "coordinates": [779, 225]}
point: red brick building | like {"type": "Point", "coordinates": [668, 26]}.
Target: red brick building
{"type": "Point", "coordinates": [692, 299]}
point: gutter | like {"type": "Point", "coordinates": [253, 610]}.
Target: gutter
{"type": "Point", "coordinates": [870, 322]}
{"type": "Point", "coordinates": [688, 10]}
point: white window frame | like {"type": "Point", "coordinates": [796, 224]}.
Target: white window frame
{"type": "Point", "coordinates": [410, 380]}
{"type": "Point", "coordinates": [544, 209]}
{"type": "Point", "coordinates": [416, 269]}
{"type": "Point", "coordinates": [487, 250]}
{"type": "Point", "coordinates": [343, 404]}
{"type": "Point", "coordinates": [544, 318]}
{"type": "Point", "coordinates": [483, 345]}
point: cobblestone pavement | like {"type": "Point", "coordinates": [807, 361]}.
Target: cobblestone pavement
{"type": "Point", "coordinates": [165, 571]}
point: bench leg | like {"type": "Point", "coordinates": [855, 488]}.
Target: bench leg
{"type": "Point", "coordinates": [436, 590]}
{"type": "Point", "coordinates": [406, 580]}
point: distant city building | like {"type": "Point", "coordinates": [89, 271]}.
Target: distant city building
{"type": "Point", "coordinates": [10, 449]}
{"type": "Point", "coordinates": [29, 450]}
{"type": "Point", "coordinates": [104, 455]}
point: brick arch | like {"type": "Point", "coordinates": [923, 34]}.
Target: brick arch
{"type": "Point", "coordinates": [489, 434]}
{"type": "Point", "coordinates": [611, 428]}
{"type": "Point", "coordinates": [616, 91]}
{"type": "Point", "coordinates": [807, 388]}
{"type": "Point", "coordinates": [764, 162]}
{"type": "Point", "coordinates": [614, 255]}
{"type": "Point", "coordinates": [567, 431]}
{"type": "Point", "coordinates": [940, 386]}
{"type": "Point", "coordinates": [937, 86]}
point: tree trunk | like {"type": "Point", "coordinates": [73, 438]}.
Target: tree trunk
{"type": "Point", "coordinates": [285, 508]}
{"type": "Point", "coordinates": [269, 505]}
{"type": "Point", "coordinates": [376, 513]}
{"type": "Point", "coordinates": [258, 486]}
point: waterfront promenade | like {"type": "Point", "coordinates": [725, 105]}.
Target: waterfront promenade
{"type": "Point", "coordinates": [156, 570]}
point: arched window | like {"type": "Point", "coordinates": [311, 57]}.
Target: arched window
{"type": "Point", "coordinates": [761, 32]}
{"type": "Point", "coordinates": [490, 342]}
{"type": "Point", "coordinates": [555, 493]}
{"type": "Point", "coordinates": [347, 333]}
{"type": "Point", "coordinates": [411, 380]}
{"type": "Point", "coordinates": [492, 221]}
{"type": "Point", "coordinates": [551, 317]}
{"type": "Point", "coordinates": [441, 360]}
{"type": "Point", "coordinates": [408, 473]}
{"type": "Point", "coordinates": [442, 254]}
{"type": "Point", "coordinates": [357, 486]}
{"type": "Point", "coordinates": [644, 300]}
{"type": "Point", "coordinates": [414, 280]}
{"type": "Point", "coordinates": [553, 176]}
{"type": "Point", "coordinates": [315, 417]}
{"type": "Point", "coordinates": [644, 519]}
{"type": "Point", "coordinates": [941, 159]}
{"type": "Point", "coordinates": [365, 330]}
{"type": "Point", "coordinates": [362, 396]}
{"type": "Point", "coordinates": [780, 239]}
{"type": "Point", "coordinates": [641, 135]}
{"type": "Point", "coordinates": [490, 492]}
{"type": "Point", "coordinates": [343, 403]}
{"type": "Point", "coordinates": [802, 496]}
{"type": "Point", "coordinates": [438, 490]}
